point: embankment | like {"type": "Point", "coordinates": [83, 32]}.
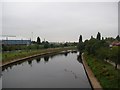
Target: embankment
{"type": "Point", "coordinates": [93, 80]}
{"type": "Point", "coordinates": [30, 54]}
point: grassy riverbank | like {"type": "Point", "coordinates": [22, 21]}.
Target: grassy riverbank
{"type": "Point", "coordinates": [10, 56]}
{"type": "Point", "coordinates": [108, 77]}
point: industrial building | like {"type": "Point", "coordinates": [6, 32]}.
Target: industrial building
{"type": "Point", "coordinates": [16, 42]}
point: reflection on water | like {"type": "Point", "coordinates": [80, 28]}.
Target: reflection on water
{"type": "Point", "coordinates": [61, 71]}
{"type": "Point", "coordinates": [46, 59]}
{"type": "Point", "coordinates": [66, 53]}
{"type": "Point", "coordinates": [74, 51]}
{"type": "Point", "coordinates": [11, 65]}
{"type": "Point", "coordinates": [30, 62]}
{"type": "Point", "coordinates": [38, 60]}
{"type": "Point", "coordinates": [79, 57]}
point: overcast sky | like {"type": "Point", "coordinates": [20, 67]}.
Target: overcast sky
{"type": "Point", "coordinates": [60, 21]}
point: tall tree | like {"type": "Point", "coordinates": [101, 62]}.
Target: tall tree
{"type": "Point", "coordinates": [91, 37]}
{"type": "Point", "coordinates": [118, 37]}
{"type": "Point", "coordinates": [99, 36]}
{"type": "Point", "coordinates": [80, 45]}
{"type": "Point", "coordinates": [102, 38]}
{"type": "Point", "coordinates": [38, 40]}
{"type": "Point", "coordinates": [80, 38]}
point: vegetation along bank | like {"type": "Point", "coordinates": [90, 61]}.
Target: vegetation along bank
{"type": "Point", "coordinates": [97, 52]}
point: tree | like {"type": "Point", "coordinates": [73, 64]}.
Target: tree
{"type": "Point", "coordinates": [91, 37]}
{"type": "Point", "coordinates": [46, 44]}
{"type": "Point", "coordinates": [114, 55]}
{"type": "Point", "coordinates": [102, 38]}
{"type": "Point", "coordinates": [118, 38]}
{"type": "Point", "coordinates": [80, 38]}
{"type": "Point", "coordinates": [65, 44]}
{"type": "Point", "coordinates": [38, 40]}
{"type": "Point", "coordinates": [103, 53]}
{"type": "Point", "coordinates": [90, 45]}
{"type": "Point", "coordinates": [99, 36]}
{"type": "Point", "coordinates": [80, 47]}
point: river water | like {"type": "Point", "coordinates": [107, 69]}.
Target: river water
{"type": "Point", "coordinates": [51, 71]}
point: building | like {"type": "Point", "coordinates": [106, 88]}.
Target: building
{"type": "Point", "coordinates": [16, 42]}
{"type": "Point", "coordinates": [115, 43]}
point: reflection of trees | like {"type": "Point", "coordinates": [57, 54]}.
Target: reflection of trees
{"type": "Point", "coordinates": [3, 69]}
{"type": "Point", "coordinates": [46, 58]}
{"type": "Point", "coordinates": [66, 53]}
{"type": "Point", "coordinates": [9, 66]}
{"type": "Point", "coordinates": [51, 56]}
{"type": "Point", "coordinates": [74, 51]}
{"type": "Point", "coordinates": [79, 58]}
{"type": "Point", "coordinates": [38, 60]}
{"type": "Point", "coordinates": [6, 67]}
{"type": "Point", "coordinates": [30, 62]}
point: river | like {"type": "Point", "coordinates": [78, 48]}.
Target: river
{"type": "Point", "coordinates": [52, 71]}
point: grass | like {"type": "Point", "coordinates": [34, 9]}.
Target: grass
{"type": "Point", "coordinates": [0, 57]}
{"type": "Point", "coordinates": [9, 56]}
{"type": "Point", "coordinates": [108, 77]}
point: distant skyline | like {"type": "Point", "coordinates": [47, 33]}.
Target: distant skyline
{"type": "Point", "coordinates": [60, 21]}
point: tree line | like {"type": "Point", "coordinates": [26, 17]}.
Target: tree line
{"type": "Point", "coordinates": [38, 44]}
{"type": "Point", "coordinates": [100, 48]}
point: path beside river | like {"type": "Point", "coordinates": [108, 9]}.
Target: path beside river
{"type": "Point", "coordinates": [92, 78]}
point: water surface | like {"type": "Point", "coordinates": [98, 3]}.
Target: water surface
{"type": "Point", "coordinates": [53, 71]}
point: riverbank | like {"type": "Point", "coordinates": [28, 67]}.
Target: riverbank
{"type": "Point", "coordinates": [93, 80]}
{"type": "Point", "coordinates": [11, 57]}
{"type": "Point", "coordinates": [104, 72]}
